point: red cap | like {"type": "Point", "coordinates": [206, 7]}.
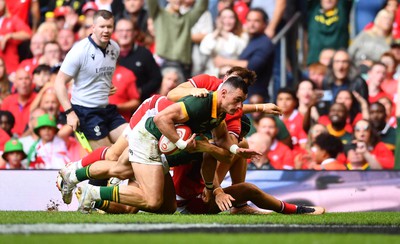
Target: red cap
{"type": "Point", "coordinates": [89, 6]}
{"type": "Point", "coordinates": [61, 11]}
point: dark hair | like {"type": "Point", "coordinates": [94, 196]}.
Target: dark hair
{"type": "Point", "coordinates": [355, 105]}
{"type": "Point", "coordinates": [105, 14]}
{"type": "Point", "coordinates": [42, 68]}
{"type": "Point", "coordinates": [269, 116]}
{"type": "Point", "coordinates": [9, 116]}
{"type": "Point", "coordinates": [289, 91]}
{"type": "Point", "coordinates": [379, 105]}
{"type": "Point", "coordinates": [237, 83]}
{"type": "Point", "coordinates": [314, 86]}
{"type": "Point", "coordinates": [262, 12]}
{"type": "Point", "coordinates": [249, 76]}
{"type": "Point", "coordinates": [331, 144]}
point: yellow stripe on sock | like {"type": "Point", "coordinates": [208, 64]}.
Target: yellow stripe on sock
{"type": "Point", "coordinates": [87, 172]}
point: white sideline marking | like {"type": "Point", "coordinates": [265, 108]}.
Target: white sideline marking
{"type": "Point", "coordinates": [208, 228]}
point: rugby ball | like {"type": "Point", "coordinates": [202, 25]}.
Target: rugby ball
{"type": "Point", "coordinates": [169, 148]}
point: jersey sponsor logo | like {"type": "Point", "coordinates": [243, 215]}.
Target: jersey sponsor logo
{"type": "Point", "coordinates": [112, 54]}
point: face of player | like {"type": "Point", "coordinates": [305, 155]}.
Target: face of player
{"type": "Point", "coordinates": [345, 98]}
{"type": "Point", "coordinates": [362, 131]}
{"type": "Point", "coordinates": [267, 126]}
{"type": "Point", "coordinates": [233, 100]}
{"type": "Point", "coordinates": [49, 103]}
{"type": "Point", "coordinates": [102, 30]}
{"type": "Point", "coordinates": [124, 33]}
{"type": "Point", "coordinates": [286, 102]}
{"type": "Point", "coordinates": [47, 134]}
{"type": "Point", "coordinates": [14, 159]}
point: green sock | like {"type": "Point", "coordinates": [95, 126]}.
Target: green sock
{"type": "Point", "coordinates": [102, 204]}
{"type": "Point", "coordinates": [110, 193]}
{"type": "Point", "coordinates": [83, 174]}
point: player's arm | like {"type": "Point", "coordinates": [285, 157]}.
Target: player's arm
{"type": "Point", "coordinates": [220, 154]}
{"type": "Point", "coordinates": [222, 139]}
{"type": "Point", "coordinates": [166, 120]}
{"type": "Point", "coordinates": [268, 108]}
{"type": "Point", "coordinates": [186, 89]}
{"type": "Point", "coordinates": [60, 85]}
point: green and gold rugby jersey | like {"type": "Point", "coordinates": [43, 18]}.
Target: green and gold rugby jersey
{"type": "Point", "coordinates": [202, 114]}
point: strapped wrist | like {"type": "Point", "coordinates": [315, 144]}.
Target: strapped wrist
{"type": "Point", "coordinates": [209, 185]}
{"type": "Point", "coordinates": [68, 111]}
{"type": "Point", "coordinates": [181, 144]}
{"type": "Point", "coordinates": [234, 148]}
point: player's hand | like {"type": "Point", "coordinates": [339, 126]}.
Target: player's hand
{"type": "Point", "coordinates": [207, 195]}
{"type": "Point", "coordinates": [224, 201]}
{"type": "Point", "coordinates": [202, 144]}
{"type": "Point", "coordinates": [199, 92]}
{"type": "Point", "coordinates": [247, 153]}
{"type": "Point", "coordinates": [191, 143]}
{"type": "Point", "coordinates": [271, 108]}
{"type": "Point", "coordinates": [73, 120]}
{"type": "Point", "coordinates": [113, 90]}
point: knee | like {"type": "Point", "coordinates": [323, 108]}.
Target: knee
{"type": "Point", "coordinates": [111, 155]}
{"type": "Point", "coordinates": [154, 204]}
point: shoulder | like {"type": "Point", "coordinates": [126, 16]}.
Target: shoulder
{"type": "Point", "coordinates": [114, 44]}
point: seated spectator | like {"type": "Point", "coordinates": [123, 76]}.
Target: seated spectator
{"type": "Point", "coordinates": [50, 151]}
{"type": "Point", "coordinates": [227, 40]}
{"type": "Point", "coordinates": [338, 115]}
{"type": "Point", "coordinates": [172, 77]}
{"type": "Point", "coordinates": [18, 104]}
{"type": "Point", "coordinates": [389, 84]}
{"type": "Point", "coordinates": [371, 147]}
{"type": "Point", "coordinates": [377, 116]}
{"type": "Point", "coordinates": [41, 76]}
{"type": "Point", "coordinates": [303, 159]}
{"type": "Point", "coordinates": [390, 111]}
{"type": "Point", "coordinates": [51, 55]}
{"type": "Point", "coordinates": [7, 122]}
{"type": "Point", "coordinates": [14, 155]}
{"type": "Point", "coordinates": [36, 47]}
{"type": "Point", "coordinates": [283, 134]}
{"type": "Point", "coordinates": [376, 75]}
{"type": "Point", "coordinates": [316, 73]}
{"type": "Point", "coordinates": [304, 93]}
{"type": "Point", "coordinates": [127, 97]}
{"type": "Point", "coordinates": [29, 137]}
{"type": "Point", "coordinates": [279, 155]}
{"type": "Point", "coordinates": [287, 101]}
{"type": "Point", "coordinates": [260, 142]}
{"type": "Point", "coordinates": [90, 8]}
{"type": "Point", "coordinates": [326, 148]}
{"type": "Point", "coordinates": [371, 44]}
{"type": "Point", "coordinates": [342, 75]}
{"type": "Point", "coordinates": [5, 84]}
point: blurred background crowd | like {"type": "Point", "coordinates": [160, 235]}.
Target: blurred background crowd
{"type": "Point", "coordinates": [331, 65]}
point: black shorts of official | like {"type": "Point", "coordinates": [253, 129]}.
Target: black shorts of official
{"type": "Point", "coordinates": [96, 123]}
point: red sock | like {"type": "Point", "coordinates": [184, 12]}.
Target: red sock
{"type": "Point", "coordinates": [288, 208]}
{"type": "Point", "coordinates": [96, 155]}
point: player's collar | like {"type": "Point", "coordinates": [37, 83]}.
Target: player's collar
{"type": "Point", "coordinates": [214, 106]}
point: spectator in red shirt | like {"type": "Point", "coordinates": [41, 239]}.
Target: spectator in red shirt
{"type": "Point", "coordinates": [5, 84]}
{"type": "Point", "coordinates": [127, 97]}
{"type": "Point", "coordinates": [36, 47]}
{"type": "Point", "coordinates": [12, 32]}
{"type": "Point", "coordinates": [371, 147]}
{"type": "Point", "coordinates": [287, 101]}
{"type": "Point", "coordinates": [279, 155]}
{"type": "Point", "coordinates": [376, 75]}
{"type": "Point", "coordinates": [18, 104]}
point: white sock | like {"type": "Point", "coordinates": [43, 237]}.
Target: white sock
{"type": "Point", "coordinates": [72, 178]}
{"type": "Point", "coordinates": [78, 164]}
{"type": "Point", "coordinates": [96, 193]}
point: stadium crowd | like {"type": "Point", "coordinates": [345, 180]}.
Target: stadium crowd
{"type": "Point", "coordinates": [340, 115]}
